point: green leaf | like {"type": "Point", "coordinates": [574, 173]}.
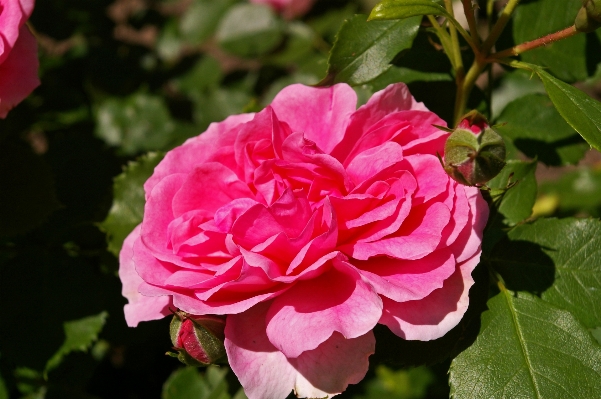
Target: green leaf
{"type": "Point", "coordinates": [519, 199]}
{"type": "Point", "coordinates": [128, 200]}
{"type": "Point", "coordinates": [580, 111]}
{"type": "Point", "coordinates": [30, 383]}
{"type": "Point", "coordinates": [527, 348]}
{"type": "Point", "coordinates": [138, 123]}
{"type": "Point", "coordinates": [188, 383]}
{"type": "Point", "coordinates": [249, 30]}
{"type": "Point", "coordinates": [399, 9]}
{"type": "Point", "coordinates": [300, 43]}
{"type": "Point", "coordinates": [566, 58]}
{"type": "Point", "coordinates": [363, 50]}
{"type": "Point", "coordinates": [513, 85]}
{"type": "Point", "coordinates": [201, 19]}
{"type": "Point", "coordinates": [560, 258]}
{"type": "Point", "coordinates": [219, 104]}
{"type": "Point", "coordinates": [205, 74]}
{"type": "Point", "coordinates": [80, 335]}
{"type": "Point", "coordinates": [406, 75]}
{"type": "Point", "coordinates": [534, 126]}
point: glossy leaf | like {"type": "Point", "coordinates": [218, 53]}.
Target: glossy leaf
{"type": "Point", "coordinates": [363, 50]}
{"type": "Point", "coordinates": [527, 348]}
{"type": "Point", "coordinates": [533, 125]}
{"type": "Point", "coordinates": [128, 202]}
{"type": "Point", "coordinates": [580, 111]}
{"type": "Point", "coordinates": [517, 202]}
{"type": "Point", "coordinates": [398, 9]}
{"type": "Point", "coordinates": [566, 58]}
{"type": "Point", "coordinates": [560, 259]}
{"type": "Point", "coordinates": [79, 336]}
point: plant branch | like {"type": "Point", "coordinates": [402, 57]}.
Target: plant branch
{"type": "Point", "coordinates": [499, 26]}
{"type": "Point", "coordinates": [531, 45]}
{"type": "Point", "coordinates": [468, 8]}
{"type": "Point", "coordinates": [445, 40]}
{"type": "Point", "coordinates": [454, 37]}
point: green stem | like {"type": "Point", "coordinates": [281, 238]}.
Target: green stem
{"type": "Point", "coordinates": [454, 37]}
{"type": "Point", "coordinates": [499, 26]}
{"type": "Point", "coordinates": [463, 91]}
{"type": "Point", "coordinates": [531, 45]}
{"type": "Point", "coordinates": [445, 40]}
{"type": "Point", "coordinates": [459, 69]}
{"type": "Point", "coordinates": [471, 21]}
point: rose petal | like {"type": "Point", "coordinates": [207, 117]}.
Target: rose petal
{"type": "Point", "coordinates": [372, 161]}
{"type": "Point", "coordinates": [469, 240]}
{"type": "Point", "coordinates": [321, 114]}
{"type": "Point", "coordinates": [209, 187]}
{"type": "Point", "coordinates": [419, 235]}
{"type": "Point", "coordinates": [394, 98]}
{"type": "Point", "coordinates": [265, 373]}
{"type": "Point", "coordinates": [18, 70]}
{"type": "Point", "coordinates": [308, 314]}
{"type": "Point", "coordinates": [331, 367]}
{"type": "Point", "coordinates": [407, 280]}
{"type": "Point", "coordinates": [216, 144]}
{"type": "Point", "coordinates": [139, 307]}
{"type": "Point", "coordinates": [435, 315]}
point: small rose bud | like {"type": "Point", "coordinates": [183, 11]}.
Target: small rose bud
{"type": "Point", "coordinates": [198, 340]}
{"type": "Point", "coordinates": [474, 152]}
{"type": "Point", "coordinates": [588, 18]}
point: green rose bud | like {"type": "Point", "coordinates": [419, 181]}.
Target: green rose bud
{"type": "Point", "coordinates": [588, 18]}
{"type": "Point", "coordinates": [474, 152]}
{"type": "Point", "coordinates": [198, 340]}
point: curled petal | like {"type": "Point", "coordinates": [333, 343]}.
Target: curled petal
{"type": "Point", "coordinates": [266, 373]}
{"type": "Point", "coordinates": [435, 315]}
{"type": "Point", "coordinates": [322, 114]}
{"type": "Point", "coordinates": [18, 71]}
{"type": "Point", "coordinates": [309, 313]}
{"type": "Point", "coordinates": [139, 307]}
{"type": "Point", "coordinates": [216, 144]}
{"type": "Point", "coordinates": [408, 280]}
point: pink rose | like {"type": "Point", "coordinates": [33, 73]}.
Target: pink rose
{"type": "Point", "coordinates": [288, 8]}
{"type": "Point", "coordinates": [307, 224]}
{"type": "Point", "coordinates": [18, 54]}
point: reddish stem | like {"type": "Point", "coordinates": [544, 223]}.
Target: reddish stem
{"type": "Point", "coordinates": [542, 41]}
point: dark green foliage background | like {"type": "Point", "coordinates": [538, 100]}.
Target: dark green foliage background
{"type": "Point", "coordinates": [120, 86]}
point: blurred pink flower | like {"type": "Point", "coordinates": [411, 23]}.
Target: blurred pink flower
{"type": "Point", "coordinates": [288, 8]}
{"type": "Point", "coordinates": [18, 54]}
{"type": "Point", "coordinates": [307, 224]}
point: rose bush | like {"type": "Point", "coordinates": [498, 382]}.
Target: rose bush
{"type": "Point", "coordinates": [288, 8]}
{"type": "Point", "coordinates": [307, 224]}
{"type": "Point", "coordinates": [18, 54]}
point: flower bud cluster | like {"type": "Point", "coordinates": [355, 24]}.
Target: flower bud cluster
{"type": "Point", "coordinates": [474, 152]}
{"type": "Point", "coordinates": [197, 340]}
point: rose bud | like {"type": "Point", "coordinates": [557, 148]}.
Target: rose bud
{"type": "Point", "coordinates": [198, 340]}
{"type": "Point", "coordinates": [474, 152]}
{"type": "Point", "coordinates": [588, 18]}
